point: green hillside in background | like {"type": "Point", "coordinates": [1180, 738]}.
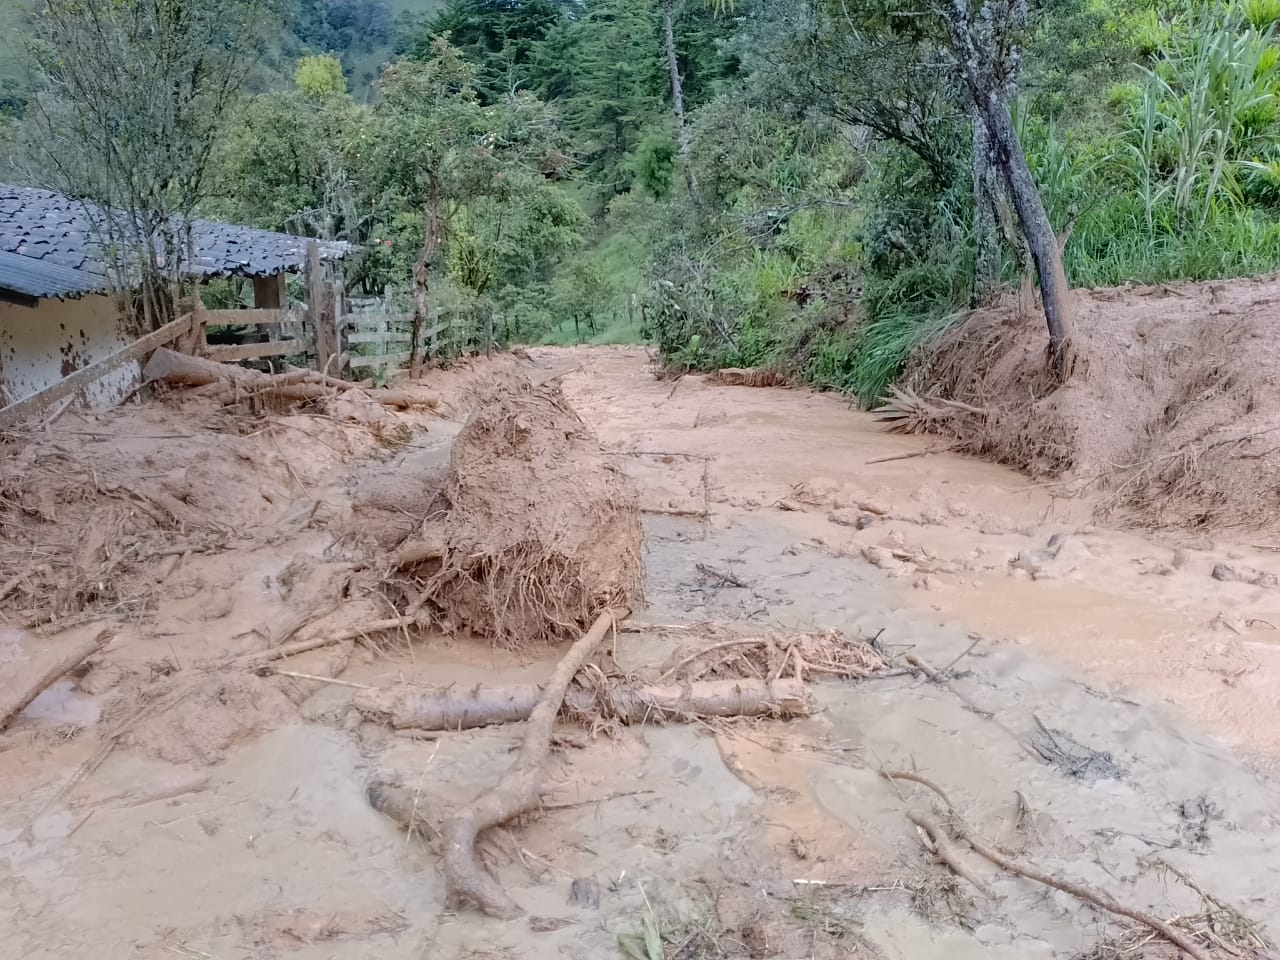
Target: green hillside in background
{"type": "Point", "coordinates": [362, 33]}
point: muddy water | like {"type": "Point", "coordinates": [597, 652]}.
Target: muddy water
{"type": "Point", "coordinates": [1127, 645]}
{"type": "Point", "coordinates": [766, 836]}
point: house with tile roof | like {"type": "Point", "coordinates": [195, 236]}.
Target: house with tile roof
{"type": "Point", "coordinates": [58, 312]}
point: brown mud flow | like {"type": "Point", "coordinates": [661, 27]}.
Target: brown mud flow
{"type": "Point", "coordinates": [1106, 711]}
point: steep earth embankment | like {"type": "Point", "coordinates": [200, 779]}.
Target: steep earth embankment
{"type": "Point", "coordinates": [1173, 412]}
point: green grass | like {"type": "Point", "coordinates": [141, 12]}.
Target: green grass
{"type": "Point", "coordinates": [1113, 245]}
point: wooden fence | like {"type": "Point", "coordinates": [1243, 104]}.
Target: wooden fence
{"type": "Point", "coordinates": [379, 337]}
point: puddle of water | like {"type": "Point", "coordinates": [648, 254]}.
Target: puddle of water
{"type": "Point", "coordinates": [63, 704]}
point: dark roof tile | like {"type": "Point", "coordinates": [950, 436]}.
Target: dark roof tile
{"type": "Point", "coordinates": [42, 278]}
{"type": "Point", "coordinates": [43, 225]}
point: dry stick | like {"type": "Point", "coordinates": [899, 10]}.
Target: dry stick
{"type": "Point", "coordinates": [722, 575]}
{"type": "Point", "coordinates": [1102, 900]}
{"type": "Point", "coordinates": [699, 654]}
{"type": "Point", "coordinates": [315, 643]}
{"type": "Point", "coordinates": [12, 584]}
{"type": "Point", "coordinates": [23, 690]}
{"type": "Point", "coordinates": [914, 453]}
{"type": "Point", "coordinates": [519, 789]}
{"type": "Point", "coordinates": [937, 677]}
{"type": "Point", "coordinates": [319, 679]}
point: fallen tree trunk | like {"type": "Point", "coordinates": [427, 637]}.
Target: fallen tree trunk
{"type": "Point", "coordinates": [25, 684]}
{"type": "Point", "coordinates": [519, 789]}
{"type": "Point", "coordinates": [450, 708]}
{"type": "Point", "coordinates": [237, 382]}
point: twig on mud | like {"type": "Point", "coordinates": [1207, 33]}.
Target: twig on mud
{"type": "Point", "coordinates": [587, 803]}
{"type": "Point", "coordinates": [946, 671]}
{"type": "Point", "coordinates": [723, 576]}
{"type": "Point", "coordinates": [271, 671]}
{"type": "Point", "coordinates": [939, 678]}
{"type": "Point", "coordinates": [315, 643]}
{"type": "Point", "coordinates": [519, 788]}
{"type": "Point", "coordinates": [1100, 899]}
{"type": "Point", "coordinates": [692, 514]}
{"type": "Point", "coordinates": [894, 775]}
{"type": "Point", "coordinates": [699, 654]}
{"type": "Point", "coordinates": [950, 448]}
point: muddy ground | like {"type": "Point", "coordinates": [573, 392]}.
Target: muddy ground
{"type": "Point", "coordinates": [171, 802]}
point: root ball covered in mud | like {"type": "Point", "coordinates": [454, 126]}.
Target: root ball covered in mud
{"type": "Point", "coordinates": [541, 530]}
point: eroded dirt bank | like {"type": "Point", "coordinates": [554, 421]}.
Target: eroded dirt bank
{"type": "Point", "coordinates": [1122, 721]}
{"type": "Point", "coordinates": [1169, 419]}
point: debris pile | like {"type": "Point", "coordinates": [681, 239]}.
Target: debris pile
{"type": "Point", "coordinates": [537, 530]}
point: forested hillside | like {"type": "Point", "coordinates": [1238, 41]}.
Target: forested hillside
{"type": "Point", "coordinates": [788, 182]}
{"type": "Point", "coordinates": [361, 33]}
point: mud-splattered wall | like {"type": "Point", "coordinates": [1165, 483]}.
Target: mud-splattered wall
{"type": "Point", "coordinates": [40, 345]}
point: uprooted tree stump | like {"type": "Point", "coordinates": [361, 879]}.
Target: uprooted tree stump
{"type": "Point", "coordinates": [535, 528]}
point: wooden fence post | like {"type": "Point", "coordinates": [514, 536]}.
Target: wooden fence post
{"type": "Point", "coordinates": [321, 311]}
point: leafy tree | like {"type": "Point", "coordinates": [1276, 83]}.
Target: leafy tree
{"type": "Point", "coordinates": [319, 77]}
{"type": "Point", "coordinates": [609, 80]}
{"type": "Point", "coordinates": [132, 101]}
{"type": "Point", "coordinates": [435, 148]}
{"type": "Point", "coordinates": [498, 36]}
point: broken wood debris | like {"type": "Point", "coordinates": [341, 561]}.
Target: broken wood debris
{"type": "Point", "coordinates": [449, 708]}
{"type": "Point", "coordinates": [959, 829]}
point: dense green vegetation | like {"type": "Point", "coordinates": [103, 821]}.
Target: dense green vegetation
{"type": "Point", "coordinates": [801, 191]}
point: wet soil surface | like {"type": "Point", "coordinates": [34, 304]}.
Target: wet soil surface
{"type": "Point", "coordinates": [1111, 715]}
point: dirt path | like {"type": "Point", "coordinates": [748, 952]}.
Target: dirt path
{"type": "Point", "coordinates": [233, 825]}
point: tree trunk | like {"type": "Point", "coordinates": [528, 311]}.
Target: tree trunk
{"type": "Point", "coordinates": [422, 279]}
{"type": "Point", "coordinates": [1036, 228]}
{"type": "Point", "coordinates": [677, 91]}
{"type": "Point", "coordinates": [987, 239]}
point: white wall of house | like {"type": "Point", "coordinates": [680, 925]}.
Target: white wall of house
{"type": "Point", "coordinates": [42, 344]}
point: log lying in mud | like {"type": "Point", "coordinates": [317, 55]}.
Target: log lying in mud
{"type": "Point", "coordinates": [237, 383]}
{"type": "Point", "coordinates": [451, 708]}
{"type": "Point", "coordinates": [29, 680]}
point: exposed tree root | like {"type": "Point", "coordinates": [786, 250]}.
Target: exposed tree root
{"type": "Point", "coordinates": [518, 790]}
{"type": "Point", "coordinates": [1099, 899]}
{"type": "Point", "coordinates": [945, 849]}
{"type": "Point", "coordinates": [450, 708]}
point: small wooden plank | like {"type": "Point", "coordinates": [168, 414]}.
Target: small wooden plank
{"type": "Point", "coordinates": [228, 352]}
{"type": "Point", "coordinates": [376, 317]}
{"type": "Point", "coordinates": [248, 318]}
{"type": "Point", "coordinates": [379, 337]}
{"type": "Point", "coordinates": [379, 360]}
{"type": "Point", "coordinates": [15, 412]}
